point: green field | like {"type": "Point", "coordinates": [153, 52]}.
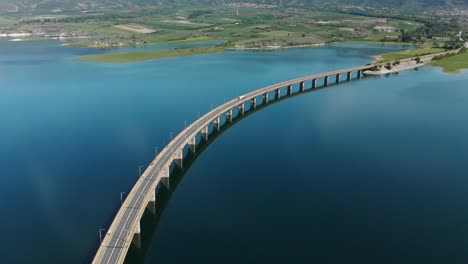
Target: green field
{"type": "Point", "coordinates": [454, 63]}
{"type": "Point", "coordinates": [149, 55]}
{"type": "Point", "coordinates": [243, 28]}
{"type": "Point", "coordinates": [7, 20]}
{"type": "Point", "coordinates": [409, 54]}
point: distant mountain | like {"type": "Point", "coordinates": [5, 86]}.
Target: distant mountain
{"type": "Point", "coordinates": [57, 5]}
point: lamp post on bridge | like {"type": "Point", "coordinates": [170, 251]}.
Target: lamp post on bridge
{"type": "Point", "coordinates": [100, 234]}
{"type": "Point", "coordinates": [121, 197]}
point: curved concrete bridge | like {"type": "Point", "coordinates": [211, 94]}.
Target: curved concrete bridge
{"type": "Point", "coordinates": [125, 227]}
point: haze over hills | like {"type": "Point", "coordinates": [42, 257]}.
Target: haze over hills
{"type": "Point", "coordinates": [58, 5]}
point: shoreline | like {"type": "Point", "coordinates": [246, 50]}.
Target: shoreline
{"type": "Point", "coordinates": [67, 43]}
{"type": "Point", "coordinates": [406, 64]}
{"type": "Point", "coordinates": [457, 63]}
{"type": "Point", "coordinates": [377, 43]}
{"type": "Point", "coordinates": [188, 41]}
{"type": "Point", "coordinates": [396, 69]}
{"type": "Point", "coordinates": [130, 57]}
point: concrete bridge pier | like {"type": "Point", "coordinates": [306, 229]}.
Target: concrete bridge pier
{"type": "Point", "coordinates": [265, 98]}
{"type": "Point", "coordinates": [338, 78]}
{"type": "Point", "coordinates": [314, 83]}
{"type": "Point", "coordinates": [289, 89]}
{"type": "Point", "coordinates": [241, 109]}
{"type": "Point", "coordinates": [229, 115]}
{"type": "Point", "coordinates": [325, 81]}
{"type": "Point", "coordinates": [301, 86]}
{"type": "Point", "coordinates": [359, 73]}
{"type": "Point", "coordinates": [137, 236]}
{"type": "Point", "coordinates": [348, 76]}
{"type": "Point", "coordinates": [165, 180]}
{"type": "Point", "coordinates": [192, 144]}
{"type": "Point", "coordinates": [204, 133]}
{"type": "Point", "coordinates": [278, 93]}
{"type": "Point", "coordinates": [217, 122]}
{"type": "Point", "coordinates": [179, 159]}
{"type": "Point", "coordinates": [152, 203]}
{"type": "Point", "coordinates": [253, 103]}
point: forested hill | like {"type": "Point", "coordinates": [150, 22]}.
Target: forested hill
{"type": "Point", "coordinates": [50, 5]}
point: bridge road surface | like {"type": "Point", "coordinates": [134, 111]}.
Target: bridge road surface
{"type": "Point", "coordinates": [118, 238]}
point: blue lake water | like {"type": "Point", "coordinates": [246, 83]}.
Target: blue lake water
{"type": "Point", "coordinates": [371, 171]}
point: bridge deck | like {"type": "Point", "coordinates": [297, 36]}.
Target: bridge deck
{"type": "Point", "coordinates": [118, 238]}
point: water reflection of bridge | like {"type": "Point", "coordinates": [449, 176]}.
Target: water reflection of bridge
{"type": "Point", "coordinates": [125, 227]}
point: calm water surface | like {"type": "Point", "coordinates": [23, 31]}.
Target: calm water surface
{"type": "Point", "coordinates": [372, 171]}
